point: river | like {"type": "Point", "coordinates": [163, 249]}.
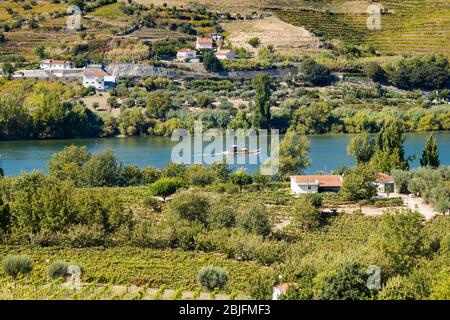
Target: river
{"type": "Point", "coordinates": [327, 152]}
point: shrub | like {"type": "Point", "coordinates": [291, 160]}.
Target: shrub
{"type": "Point", "coordinates": [153, 204]}
{"type": "Point", "coordinates": [15, 265]}
{"type": "Point", "coordinates": [398, 288]}
{"type": "Point", "coordinates": [314, 72]}
{"type": "Point", "coordinates": [82, 236]}
{"type": "Point", "coordinates": [189, 205]}
{"type": "Point", "coordinates": [254, 42]}
{"type": "Point", "coordinates": [198, 175]}
{"type": "Point", "coordinates": [164, 187]}
{"type": "Point", "coordinates": [255, 219]}
{"type": "Point", "coordinates": [261, 285]}
{"type": "Point", "coordinates": [57, 269]}
{"type": "Point", "coordinates": [306, 216]}
{"type": "Point", "coordinates": [212, 278]}
{"type": "Point", "coordinates": [221, 214]}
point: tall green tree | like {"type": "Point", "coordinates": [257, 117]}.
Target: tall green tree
{"type": "Point", "coordinates": [102, 170]}
{"type": "Point", "coordinates": [362, 148]}
{"type": "Point", "coordinates": [211, 63]}
{"type": "Point", "coordinates": [430, 154]}
{"type": "Point", "coordinates": [68, 163]}
{"type": "Point", "coordinates": [359, 184]}
{"type": "Point", "coordinates": [294, 154]}
{"type": "Point", "coordinates": [262, 85]}
{"type": "Point", "coordinates": [389, 152]}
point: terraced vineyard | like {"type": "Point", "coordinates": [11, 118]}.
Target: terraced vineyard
{"type": "Point", "coordinates": [408, 27]}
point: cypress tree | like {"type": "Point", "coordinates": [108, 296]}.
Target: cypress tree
{"type": "Point", "coordinates": [430, 153]}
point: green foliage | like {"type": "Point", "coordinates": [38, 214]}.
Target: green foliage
{"type": "Point", "coordinates": [430, 154]}
{"type": "Point", "coordinates": [441, 285]}
{"type": "Point", "coordinates": [211, 63]}
{"type": "Point", "coordinates": [399, 238]}
{"type": "Point", "coordinates": [261, 284]}
{"type": "Point", "coordinates": [212, 278]}
{"type": "Point", "coordinates": [262, 85]}
{"type": "Point", "coordinates": [102, 170]}
{"type": "Point", "coordinates": [293, 154]}
{"type": "Point", "coordinates": [192, 206]}
{"type": "Point", "coordinates": [57, 269]}
{"type": "Point", "coordinates": [255, 220]}
{"type": "Point", "coordinates": [362, 148]}
{"type": "Point", "coordinates": [67, 164]}
{"type": "Point", "coordinates": [398, 288]}
{"type": "Point", "coordinates": [158, 103]}
{"type": "Point", "coordinates": [254, 42]}
{"type": "Point", "coordinates": [359, 184]}
{"type": "Point", "coordinates": [389, 152]}
{"type": "Point", "coordinates": [375, 72]}
{"type": "Point", "coordinates": [164, 187]}
{"type": "Point", "coordinates": [314, 72]}
{"type": "Point", "coordinates": [15, 265]}
{"type": "Point", "coordinates": [241, 178]}
{"type": "Point", "coordinates": [305, 215]}
{"type": "Point", "coordinates": [347, 282]}
{"type": "Point", "coordinates": [221, 214]}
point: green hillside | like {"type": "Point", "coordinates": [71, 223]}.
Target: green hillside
{"type": "Point", "coordinates": [407, 27]}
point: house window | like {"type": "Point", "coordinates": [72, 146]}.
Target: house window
{"type": "Point", "coordinates": [309, 187]}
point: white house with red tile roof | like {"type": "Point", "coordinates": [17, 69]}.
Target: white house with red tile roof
{"type": "Point", "coordinates": [98, 78]}
{"type": "Point", "coordinates": [316, 183]}
{"type": "Point", "coordinates": [51, 64]}
{"type": "Point", "coordinates": [204, 43]}
{"type": "Point", "coordinates": [186, 54]}
{"type": "Point", "coordinates": [333, 183]}
{"type": "Point", "coordinates": [225, 54]}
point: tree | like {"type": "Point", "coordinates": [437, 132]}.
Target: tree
{"type": "Point", "coordinates": [158, 103]}
{"type": "Point", "coordinates": [241, 178]}
{"type": "Point", "coordinates": [203, 101]}
{"type": "Point", "coordinates": [40, 52]}
{"type": "Point", "coordinates": [389, 153]}
{"type": "Point", "coordinates": [359, 184]}
{"type": "Point", "coordinates": [68, 163]}
{"type": "Point", "coordinates": [440, 289]}
{"type": "Point", "coordinates": [399, 238]}
{"type": "Point", "coordinates": [102, 170]}
{"type": "Point", "coordinates": [314, 72]}
{"type": "Point", "coordinates": [375, 72]}
{"type": "Point", "coordinates": [164, 187]}
{"type": "Point", "coordinates": [398, 288]}
{"type": "Point", "coordinates": [293, 155]}
{"type": "Point", "coordinates": [255, 219]}
{"type": "Point", "coordinates": [430, 154]}
{"type": "Point", "coordinates": [211, 63]}
{"type": "Point", "coordinates": [8, 70]}
{"type": "Point", "coordinates": [221, 214]}
{"type": "Point", "coordinates": [198, 175]}
{"type": "Point", "coordinates": [347, 282]}
{"type": "Point", "coordinates": [362, 148]}
{"type": "Point", "coordinates": [306, 216]}
{"type": "Point", "coordinates": [263, 90]}
{"type": "Point", "coordinates": [192, 206]}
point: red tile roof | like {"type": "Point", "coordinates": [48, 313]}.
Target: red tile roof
{"type": "Point", "coordinates": [186, 50]}
{"type": "Point", "coordinates": [51, 61]}
{"type": "Point", "coordinates": [205, 40]}
{"type": "Point", "coordinates": [331, 181]}
{"type": "Point", "coordinates": [384, 178]}
{"type": "Point", "coordinates": [95, 73]}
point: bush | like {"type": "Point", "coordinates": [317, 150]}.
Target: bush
{"type": "Point", "coordinates": [398, 288]}
{"type": "Point", "coordinates": [221, 214]}
{"type": "Point", "coordinates": [255, 220]}
{"type": "Point", "coordinates": [189, 205]}
{"type": "Point", "coordinates": [164, 187]}
{"type": "Point", "coordinates": [58, 269]}
{"type": "Point", "coordinates": [254, 42]}
{"type": "Point", "coordinates": [82, 236]}
{"type": "Point", "coordinates": [15, 265]}
{"type": "Point", "coordinates": [314, 72]}
{"type": "Point", "coordinates": [212, 278]}
{"type": "Point", "coordinates": [306, 216]}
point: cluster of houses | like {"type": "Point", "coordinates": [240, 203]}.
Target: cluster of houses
{"type": "Point", "coordinates": [93, 75]}
{"type": "Point", "coordinates": [212, 43]}
{"type": "Point", "coordinates": [333, 183]}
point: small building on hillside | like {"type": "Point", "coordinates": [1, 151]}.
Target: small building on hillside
{"type": "Point", "coordinates": [204, 43]}
{"type": "Point", "coordinates": [51, 64]}
{"type": "Point", "coordinates": [316, 183]}
{"type": "Point", "coordinates": [186, 54]}
{"type": "Point", "coordinates": [98, 78]}
{"type": "Point", "coordinates": [333, 183]}
{"type": "Point", "coordinates": [225, 54]}
{"type": "Point", "coordinates": [385, 183]}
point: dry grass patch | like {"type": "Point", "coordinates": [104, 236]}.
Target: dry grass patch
{"type": "Point", "coordinates": [285, 38]}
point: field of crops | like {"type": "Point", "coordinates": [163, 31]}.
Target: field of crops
{"type": "Point", "coordinates": [408, 27]}
{"type": "Point", "coordinates": [127, 266]}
